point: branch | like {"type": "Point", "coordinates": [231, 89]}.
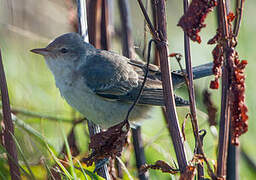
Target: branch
{"type": "Point", "coordinates": [192, 100]}
{"type": "Point", "coordinates": [8, 127]}
{"type": "Point", "coordinates": [239, 13]}
{"type": "Point", "coordinates": [171, 114]}
{"type": "Point", "coordinates": [139, 151]}
{"type": "Point", "coordinates": [225, 98]}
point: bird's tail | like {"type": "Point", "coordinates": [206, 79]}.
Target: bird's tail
{"type": "Point", "coordinates": [202, 71]}
{"type": "Point", "coordinates": [198, 72]}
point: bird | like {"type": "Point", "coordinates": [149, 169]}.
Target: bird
{"type": "Point", "coordinates": [102, 84]}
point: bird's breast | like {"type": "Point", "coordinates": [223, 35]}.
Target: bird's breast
{"type": "Point", "coordinates": [95, 108]}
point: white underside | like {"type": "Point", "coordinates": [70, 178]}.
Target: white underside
{"type": "Point", "coordinates": [101, 111]}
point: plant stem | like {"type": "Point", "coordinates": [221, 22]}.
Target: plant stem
{"type": "Point", "coordinates": [171, 114]}
{"type": "Point", "coordinates": [223, 9]}
{"type": "Point", "coordinates": [8, 127]}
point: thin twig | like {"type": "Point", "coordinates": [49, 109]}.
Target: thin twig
{"type": "Point", "coordinates": [145, 41]}
{"type": "Point", "coordinates": [142, 85]}
{"type": "Point", "coordinates": [239, 14]}
{"type": "Point", "coordinates": [192, 100]}
{"type": "Point", "coordinates": [154, 14]}
{"type": "Point", "coordinates": [200, 148]}
{"type": "Point", "coordinates": [8, 127]}
{"type": "Point", "coordinates": [150, 25]}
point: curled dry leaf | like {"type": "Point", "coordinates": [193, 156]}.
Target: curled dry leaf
{"type": "Point", "coordinates": [108, 143]}
{"type": "Point", "coordinates": [159, 165]}
{"type": "Point", "coordinates": [192, 21]}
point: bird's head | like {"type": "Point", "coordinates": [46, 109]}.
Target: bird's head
{"type": "Point", "coordinates": [67, 47]}
{"type": "Point", "coordinates": [65, 53]}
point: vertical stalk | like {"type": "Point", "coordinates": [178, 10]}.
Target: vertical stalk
{"type": "Point", "coordinates": [127, 41]}
{"type": "Point", "coordinates": [232, 161]}
{"type": "Point", "coordinates": [94, 20]}
{"type": "Point", "coordinates": [8, 127]}
{"type": "Point", "coordinates": [192, 100]}
{"type": "Point", "coordinates": [154, 14]}
{"type": "Point", "coordinates": [223, 8]}
{"type": "Point", "coordinates": [139, 151]}
{"type": "Point", "coordinates": [171, 114]}
{"type": "Point", "coordinates": [105, 34]}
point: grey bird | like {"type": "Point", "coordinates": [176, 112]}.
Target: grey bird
{"type": "Point", "coordinates": [102, 85]}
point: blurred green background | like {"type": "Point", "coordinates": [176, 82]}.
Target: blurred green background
{"type": "Point", "coordinates": [28, 24]}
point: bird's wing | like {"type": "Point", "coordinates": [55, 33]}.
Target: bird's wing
{"type": "Point", "coordinates": [115, 77]}
{"type": "Point", "coordinates": [108, 73]}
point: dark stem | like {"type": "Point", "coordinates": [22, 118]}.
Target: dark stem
{"type": "Point", "coordinates": [127, 41]}
{"type": "Point", "coordinates": [105, 34]}
{"type": "Point", "coordinates": [8, 127]}
{"type": "Point", "coordinates": [232, 161]}
{"type": "Point", "coordinates": [200, 166]}
{"type": "Point", "coordinates": [225, 107]}
{"type": "Point", "coordinates": [142, 85]}
{"type": "Point", "coordinates": [145, 41]}
{"type": "Point", "coordinates": [239, 13]}
{"type": "Point", "coordinates": [139, 151]}
{"type": "Point", "coordinates": [171, 114]}
{"type": "Point", "coordinates": [154, 14]}
{"type": "Point", "coordinates": [94, 22]}
{"type": "Point", "coordinates": [150, 25]}
{"type": "Point", "coordinates": [192, 100]}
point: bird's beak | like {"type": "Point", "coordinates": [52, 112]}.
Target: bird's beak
{"type": "Point", "coordinates": [41, 51]}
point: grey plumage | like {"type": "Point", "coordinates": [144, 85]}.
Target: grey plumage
{"type": "Point", "coordinates": [115, 77]}
{"type": "Point", "coordinates": [102, 84]}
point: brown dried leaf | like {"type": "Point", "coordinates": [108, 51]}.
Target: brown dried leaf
{"type": "Point", "coordinates": [108, 143]}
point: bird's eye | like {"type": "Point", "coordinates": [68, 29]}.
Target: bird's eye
{"type": "Point", "coordinates": [63, 50]}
